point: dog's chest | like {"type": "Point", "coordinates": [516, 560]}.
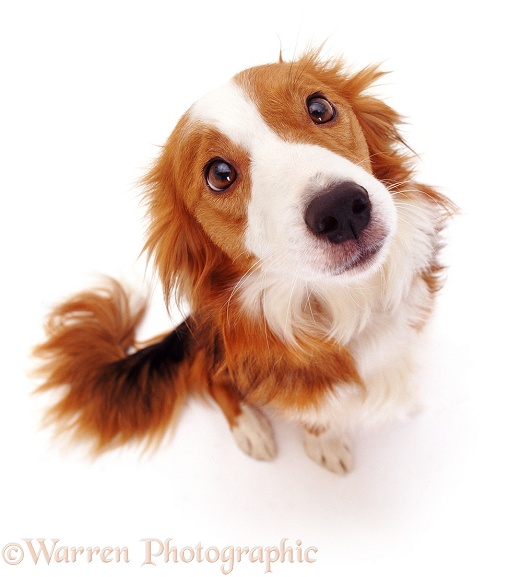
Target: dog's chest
{"type": "Point", "coordinates": [391, 332]}
{"type": "Point", "coordinates": [385, 354]}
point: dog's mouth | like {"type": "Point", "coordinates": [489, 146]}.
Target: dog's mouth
{"type": "Point", "coordinates": [352, 258]}
{"type": "Point", "coordinates": [361, 259]}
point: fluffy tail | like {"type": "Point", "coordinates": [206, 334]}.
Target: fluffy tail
{"type": "Point", "coordinates": [111, 394]}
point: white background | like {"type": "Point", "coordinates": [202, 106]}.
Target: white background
{"type": "Point", "coordinates": [88, 92]}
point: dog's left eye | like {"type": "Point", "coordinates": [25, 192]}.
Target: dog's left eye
{"type": "Point", "coordinates": [320, 109]}
{"type": "Point", "coordinates": [219, 175]}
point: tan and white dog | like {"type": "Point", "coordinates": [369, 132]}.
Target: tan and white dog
{"type": "Point", "coordinates": [284, 210]}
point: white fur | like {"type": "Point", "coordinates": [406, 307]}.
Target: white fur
{"type": "Point", "coordinates": [385, 336]}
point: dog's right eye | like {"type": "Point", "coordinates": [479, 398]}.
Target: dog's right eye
{"type": "Point", "coordinates": [219, 175]}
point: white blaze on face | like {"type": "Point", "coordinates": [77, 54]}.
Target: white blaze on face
{"type": "Point", "coordinates": [285, 176]}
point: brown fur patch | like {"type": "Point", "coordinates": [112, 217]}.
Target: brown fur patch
{"type": "Point", "coordinates": [195, 235]}
{"type": "Point", "coordinates": [283, 106]}
{"type": "Point", "coordinates": [263, 369]}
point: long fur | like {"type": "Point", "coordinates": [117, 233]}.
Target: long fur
{"type": "Point", "coordinates": [114, 394]}
{"type": "Point", "coordinates": [229, 347]}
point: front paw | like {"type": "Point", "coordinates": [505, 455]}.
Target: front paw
{"type": "Point", "coordinates": [254, 435]}
{"type": "Point", "coordinates": [330, 451]}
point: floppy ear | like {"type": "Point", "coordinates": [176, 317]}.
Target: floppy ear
{"type": "Point", "coordinates": [390, 156]}
{"type": "Point", "coordinates": [184, 257]}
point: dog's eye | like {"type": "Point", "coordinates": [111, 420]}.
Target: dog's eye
{"type": "Point", "coordinates": [320, 109]}
{"type": "Point", "coordinates": [219, 175]}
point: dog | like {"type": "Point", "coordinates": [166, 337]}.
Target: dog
{"type": "Point", "coordinates": [284, 211]}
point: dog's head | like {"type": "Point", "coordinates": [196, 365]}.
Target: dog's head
{"type": "Point", "coordinates": [285, 170]}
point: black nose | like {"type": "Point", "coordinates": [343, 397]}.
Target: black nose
{"type": "Point", "coordinates": [340, 214]}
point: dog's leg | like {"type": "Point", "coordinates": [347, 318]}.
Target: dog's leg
{"type": "Point", "coordinates": [329, 448]}
{"type": "Point", "coordinates": [251, 429]}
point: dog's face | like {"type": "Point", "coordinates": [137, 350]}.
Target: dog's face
{"type": "Point", "coordinates": [278, 170]}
